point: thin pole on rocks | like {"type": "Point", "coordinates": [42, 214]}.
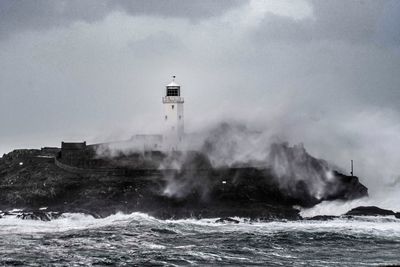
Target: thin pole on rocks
{"type": "Point", "coordinates": [352, 168]}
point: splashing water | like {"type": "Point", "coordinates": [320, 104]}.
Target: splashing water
{"type": "Point", "coordinates": [139, 239]}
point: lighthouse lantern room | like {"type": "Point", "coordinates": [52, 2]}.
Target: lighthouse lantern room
{"type": "Point", "coordinates": [173, 116]}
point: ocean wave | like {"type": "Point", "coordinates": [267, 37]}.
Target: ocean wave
{"type": "Point", "coordinates": [386, 226]}
{"type": "Point", "coordinates": [66, 222]}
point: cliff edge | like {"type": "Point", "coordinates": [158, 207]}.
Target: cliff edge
{"type": "Point", "coordinates": [147, 182]}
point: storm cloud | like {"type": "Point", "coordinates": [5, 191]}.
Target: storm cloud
{"type": "Point", "coordinates": [20, 15]}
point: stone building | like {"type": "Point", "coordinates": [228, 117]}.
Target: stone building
{"type": "Point", "coordinates": [75, 154]}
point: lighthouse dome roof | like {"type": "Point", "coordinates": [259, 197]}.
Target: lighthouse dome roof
{"type": "Point", "coordinates": [173, 84]}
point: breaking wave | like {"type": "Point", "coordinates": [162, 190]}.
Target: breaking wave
{"type": "Point", "coordinates": [77, 221]}
{"type": "Point", "coordinates": [139, 239]}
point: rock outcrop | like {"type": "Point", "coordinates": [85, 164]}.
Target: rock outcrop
{"type": "Point", "coordinates": [371, 211]}
{"type": "Point", "coordinates": [31, 179]}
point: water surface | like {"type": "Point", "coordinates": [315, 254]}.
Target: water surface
{"type": "Point", "coordinates": [138, 239]}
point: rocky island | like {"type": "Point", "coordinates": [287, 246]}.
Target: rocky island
{"type": "Point", "coordinates": [46, 182]}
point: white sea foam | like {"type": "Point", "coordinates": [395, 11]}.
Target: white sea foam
{"type": "Point", "coordinates": [152, 245]}
{"type": "Point", "coordinates": [382, 226]}
{"type": "Point", "coordinates": [335, 208]}
{"type": "Point", "coordinates": [339, 207]}
{"type": "Point", "coordinates": [67, 221]}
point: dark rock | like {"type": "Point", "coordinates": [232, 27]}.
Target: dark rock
{"type": "Point", "coordinates": [39, 215]}
{"type": "Point", "coordinates": [226, 220]}
{"type": "Point", "coordinates": [310, 180]}
{"type": "Point", "coordinates": [369, 211]}
{"type": "Point", "coordinates": [347, 188]}
{"type": "Point", "coordinates": [196, 190]}
{"type": "Point", "coordinates": [397, 215]}
{"type": "Point", "coordinates": [7, 213]}
{"type": "Point", "coordinates": [322, 218]}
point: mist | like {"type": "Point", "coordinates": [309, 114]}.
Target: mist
{"type": "Point", "coordinates": [324, 74]}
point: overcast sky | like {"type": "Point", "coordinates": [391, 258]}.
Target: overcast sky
{"type": "Point", "coordinates": [326, 73]}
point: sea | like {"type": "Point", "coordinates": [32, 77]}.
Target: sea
{"type": "Point", "coordinates": [138, 239]}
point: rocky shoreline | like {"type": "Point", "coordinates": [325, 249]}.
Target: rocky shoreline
{"type": "Point", "coordinates": [44, 215]}
{"type": "Point", "coordinates": [361, 211]}
{"type": "Point", "coordinates": [31, 180]}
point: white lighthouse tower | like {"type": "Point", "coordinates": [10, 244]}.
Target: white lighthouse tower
{"type": "Point", "coordinates": [173, 116]}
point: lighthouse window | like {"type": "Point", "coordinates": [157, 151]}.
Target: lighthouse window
{"type": "Point", "coordinates": [166, 117]}
{"type": "Point", "coordinates": [172, 92]}
{"type": "Point", "coordinates": [180, 117]}
{"type": "Point", "coordinates": [173, 106]}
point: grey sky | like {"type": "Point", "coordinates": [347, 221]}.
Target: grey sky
{"type": "Point", "coordinates": [23, 15]}
{"type": "Point", "coordinates": [326, 73]}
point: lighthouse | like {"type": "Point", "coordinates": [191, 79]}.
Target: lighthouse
{"type": "Point", "coordinates": [173, 116]}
